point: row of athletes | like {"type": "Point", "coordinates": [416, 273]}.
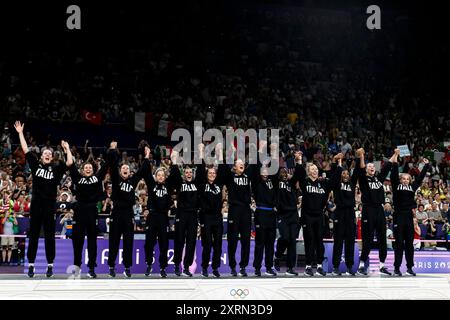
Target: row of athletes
{"type": "Point", "coordinates": [199, 199]}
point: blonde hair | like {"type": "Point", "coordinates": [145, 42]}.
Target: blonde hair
{"type": "Point", "coordinates": [308, 167]}
{"type": "Point", "coordinates": [164, 170]}
{"type": "Point", "coordinates": [406, 175]}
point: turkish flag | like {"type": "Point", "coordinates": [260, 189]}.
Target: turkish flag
{"type": "Point", "coordinates": [92, 117]}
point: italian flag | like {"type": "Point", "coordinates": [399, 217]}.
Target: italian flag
{"type": "Point", "coordinates": [165, 151]}
{"type": "Point", "coordinates": [140, 121]}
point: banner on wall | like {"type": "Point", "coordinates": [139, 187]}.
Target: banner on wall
{"type": "Point", "coordinates": [425, 261]}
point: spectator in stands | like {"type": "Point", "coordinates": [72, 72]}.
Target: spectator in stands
{"type": "Point", "coordinates": [6, 183]}
{"type": "Point", "coordinates": [389, 236]}
{"type": "Point", "coordinates": [446, 211]}
{"type": "Point", "coordinates": [137, 211]}
{"type": "Point", "coordinates": [6, 204]}
{"type": "Point", "coordinates": [446, 230]}
{"type": "Point", "coordinates": [22, 205]}
{"type": "Point", "coordinates": [34, 148]}
{"type": "Point", "coordinates": [140, 223]}
{"type": "Point", "coordinates": [7, 242]}
{"type": "Point", "coordinates": [6, 150]}
{"type": "Point", "coordinates": [417, 233]}
{"type": "Point", "coordinates": [225, 209]}
{"type": "Point", "coordinates": [107, 204]}
{"type": "Point", "coordinates": [358, 225]}
{"type": "Point", "coordinates": [388, 211]}
{"type": "Point", "coordinates": [66, 222]}
{"type": "Point", "coordinates": [424, 190]}
{"type": "Point", "coordinates": [434, 213]}
{"type": "Point", "coordinates": [431, 233]}
{"type": "Point", "coordinates": [421, 214]}
{"type": "Point", "coordinates": [63, 206]}
{"type": "Point", "coordinates": [20, 187]}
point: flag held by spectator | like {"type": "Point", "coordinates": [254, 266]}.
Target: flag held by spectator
{"type": "Point", "coordinates": [164, 151]}
{"type": "Point", "coordinates": [140, 121]}
{"type": "Point", "coordinates": [94, 118]}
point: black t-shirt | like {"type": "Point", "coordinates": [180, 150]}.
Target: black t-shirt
{"type": "Point", "coordinates": [63, 205]}
{"type": "Point", "coordinates": [344, 192]}
{"type": "Point", "coordinates": [123, 190]}
{"type": "Point", "coordinates": [315, 193]}
{"type": "Point", "coordinates": [46, 177]}
{"type": "Point", "coordinates": [286, 196]}
{"type": "Point", "coordinates": [187, 191]}
{"type": "Point", "coordinates": [238, 186]}
{"type": "Point", "coordinates": [88, 189]}
{"type": "Point", "coordinates": [372, 189]}
{"type": "Point", "coordinates": [211, 198]}
{"type": "Point", "coordinates": [404, 195]}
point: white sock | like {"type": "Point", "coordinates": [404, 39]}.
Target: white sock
{"type": "Point", "coordinates": [381, 265]}
{"type": "Point", "coordinates": [319, 266]}
{"type": "Point", "coordinates": [50, 265]}
{"type": "Point", "coordinates": [361, 264]}
{"type": "Point", "coordinates": [31, 264]}
{"type": "Point", "coordinates": [308, 266]}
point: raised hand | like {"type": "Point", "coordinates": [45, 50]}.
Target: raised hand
{"type": "Point", "coordinates": [338, 156]}
{"type": "Point", "coordinates": [19, 126]}
{"type": "Point", "coordinates": [147, 152]}
{"type": "Point", "coordinates": [394, 157]}
{"type": "Point", "coordinates": [360, 152]}
{"type": "Point", "coordinates": [174, 157]}
{"type": "Point", "coordinates": [65, 145]}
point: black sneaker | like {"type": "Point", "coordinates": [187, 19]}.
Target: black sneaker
{"type": "Point", "coordinates": [309, 272]}
{"type": "Point", "coordinates": [148, 271]}
{"type": "Point", "coordinates": [411, 272]}
{"type": "Point", "coordinates": [205, 273]}
{"type": "Point", "coordinates": [163, 273]}
{"type": "Point", "coordinates": [320, 272]}
{"type": "Point", "coordinates": [276, 263]}
{"type": "Point", "coordinates": [216, 273]}
{"type": "Point", "coordinates": [177, 270]}
{"type": "Point", "coordinates": [31, 271]}
{"type": "Point", "coordinates": [91, 273]}
{"type": "Point", "coordinates": [350, 272]}
{"type": "Point", "coordinates": [233, 272]}
{"type": "Point", "coordinates": [291, 272]}
{"type": "Point", "coordinates": [112, 273]}
{"type": "Point", "coordinates": [187, 273]}
{"type": "Point", "coordinates": [385, 271]}
{"type": "Point", "coordinates": [270, 272]}
{"type": "Point", "coordinates": [49, 273]}
{"type": "Point", "coordinates": [242, 273]}
{"type": "Point", "coordinates": [336, 272]}
{"type": "Point", "coordinates": [258, 272]}
{"type": "Point", "coordinates": [127, 273]}
{"type": "Point", "coordinates": [397, 272]}
{"type": "Point", "coordinates": [362, 271]}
